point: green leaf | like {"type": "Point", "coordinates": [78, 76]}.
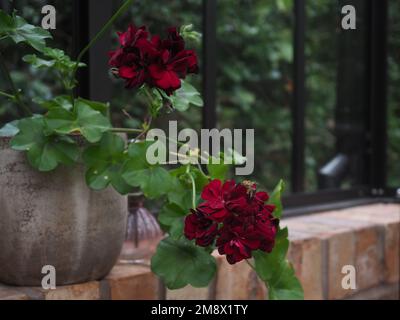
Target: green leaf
{"type": "Point", "coordinates": [181, 186]}
{"type": "Point", "coordinates": [20, 31]}
{"type": "Point", "coordinates": [83, 119]}
{"type": "Point", "coordinates": [102, 107]}
{"type": "Point", "coordinates": [286, 286]}
{"type": "Point", "coordinates": [10, 129]}
{"type": "Point", "coordinates": [179, 263]}
{"type": "Point", "coordinates": [275, 199]}
{"type": "Point", "coordinates": [64, 102]}
{"type": "Point", "coordinates": [276, 271]}
{"type": "Point", "coordinates": [171, 216]}
{"type": "Point", "coordinates": [217, 171]}
{"type": "Point", "coordinates": [154, 180]}
{"type": "Point", "coordinates": [6, 22]}
{"type": "Point", "coordinates": [44, 152]}
{"type": "Point", "coordinates": [56, 60]}
{"type": "Point", "coordinates": [180, 192]}
{"type": "Point", "coordinates": [36, 62]}
{"type": "Point", "coordinates": [185, 96]}
{"type": "Point", "coordinates": [105, 161]}
{"type": "Point", "coordinates": [269, 264]}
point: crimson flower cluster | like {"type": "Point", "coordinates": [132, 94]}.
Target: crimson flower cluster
{"type": "Point", "coordinates": [147, 59]}
{"type": "Point", "coordinates": [236, 216]}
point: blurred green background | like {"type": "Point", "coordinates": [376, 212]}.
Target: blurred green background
{"type": "Point", "coordinates": [254, 84]}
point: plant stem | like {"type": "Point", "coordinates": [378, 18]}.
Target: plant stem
{"type": "Point", "coordinates": [251, 266]}
{"type": "Point", "coordinates": [126, 130]}
{"type": "Point", "coordinates": [7, 95]}
{"type": "Point", "coordinates": [202, 171]}
{"type": "Point", "coordinates": [193, 186]}
{"type": "Point", "coordinates": [17, 95]}
{"type": "Point", "coordinates": [109, 23]}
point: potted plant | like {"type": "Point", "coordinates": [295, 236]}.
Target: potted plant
{"type": "Point", "coordinates": [79, 229]}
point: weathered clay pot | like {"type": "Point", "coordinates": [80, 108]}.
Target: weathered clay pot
{"type": "Point", "coordinates": [55, 219]}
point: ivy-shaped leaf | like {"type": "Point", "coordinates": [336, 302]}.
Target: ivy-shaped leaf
{"type": "Point", "coordinates": [185, 96]}
{"type": "Point", "coordinates": [9, 129]}
{"type": "Point", "coordinates": [153, 180]}
{"type": "Point", "coordinates": [20, 31]}
{"type": "Point", "coordinates": [105, 161]}
{"type": "Point", "coordinates": [180, 262]}
{"type": "Point", "coordinates": [64, 101]}
{"type": "Point", "coordinates": [277, 272]}
{"type": "Point", "coordinates": [83, 119]}
{"type": "Point", "coordinates": [37, 62]}
{"type": "Point", "coordinates": [55, 59]}
{"type": "Point", "coordinates": [44, 152]}
{"type": "Point", "coordinates": [217, 170]}
{"type": "Point", "coordinates": [171, 217]}
{"type": "Point", "coordinates": [275, 199]}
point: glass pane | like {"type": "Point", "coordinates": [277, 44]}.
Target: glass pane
{"type": "Point", "coordinates": [393, 173]}
{"type": "Point", "coordinates": [255, 80]}
{"type": "Point", "coordinates": [337, 88]}
{"type": "Point", "coordinates": [321, 67]}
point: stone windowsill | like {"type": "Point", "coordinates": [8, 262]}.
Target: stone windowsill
{"type": "Point", "coordinates": [366, 237]}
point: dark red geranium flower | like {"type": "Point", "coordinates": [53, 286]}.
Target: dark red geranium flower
{"type": "Point", "coordinates": [198, 227]}
{"type": "Point", "coordinates": [222, 199]}
{"type": "Point", "coordinates": [151, 60]}
{"type": "Point", "coordinates": [129, 59]}
{"type": "Point", "coordinates": [237, 242]}
{"type": "Point", "coordinates": [247, 223]}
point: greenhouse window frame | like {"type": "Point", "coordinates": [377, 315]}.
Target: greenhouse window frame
{"type": "Point", "coordinates": [90, 13]}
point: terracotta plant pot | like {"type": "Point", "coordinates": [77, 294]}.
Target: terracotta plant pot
{"type": "Point", "coordinates": [55, 219]}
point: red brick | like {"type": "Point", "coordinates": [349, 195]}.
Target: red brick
{"type": "Point", "coordinates": [11, 293]}
{"type": "Point", "coordinates": [369, 267]}
{"type": "Point", "coordinates": [392, 252]}
{"type": "Point", "coordinates": [341, 252]}
{"type": "Point", "coordinates": [132, 282]}
{"type": "Point", "coordinates": [306, 258]}
{"type": "Point", "coordinates": [237, 282]}
{"type": "Point", "coordinates": [188, 293]}
{"type": "Point", "coordinates": [83, 291]}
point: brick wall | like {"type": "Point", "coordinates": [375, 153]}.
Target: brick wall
{"type": "Point", "coordinates": [366, 237]}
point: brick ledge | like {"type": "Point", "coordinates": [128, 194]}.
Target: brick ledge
{"type": "Point", "coordinates": [321, 243]}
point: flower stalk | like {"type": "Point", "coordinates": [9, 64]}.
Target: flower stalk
{"type": "Point", "coordinates": [17, 94]}
{"type": "Point", "coordinates": [102, 31]}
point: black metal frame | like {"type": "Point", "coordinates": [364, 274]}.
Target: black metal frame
{"type": "Point", "coordinates": [90, 15]}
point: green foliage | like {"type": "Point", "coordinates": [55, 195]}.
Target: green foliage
{"type": "Point", "coordinates": [16, 28]}
{"type": "Point", "coordinates": [57, 61]}
{"type": "Point", "coordinates": [184, 97]}
{"type": "Point", "coordinates": [10, 129]}
{"type": "Point", "coordinates": [81, 119]}
{"type": "Point", "coordinates": [65, 102]}
{"type": "Point", "coordinates": [276, 271]}
{"type": "Point", "coordinates": [105, 161]}
{"type": "Point", "coordinates": [179, 263]}
{"type": "Point", "coordinates": [44, 151]}
{"type": "Point", "coordinates": [275, 199]}
{"type": "Point", "coordinates": [217, 170]}
{"type": "Point", "coordinates": [273, 268]}
{"type": "Point", "coordinates": [171, 218]}
{"type": "Point", "coordinates": [153, 180]}
{"type": "Point", "coordinates": [189, 34]}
